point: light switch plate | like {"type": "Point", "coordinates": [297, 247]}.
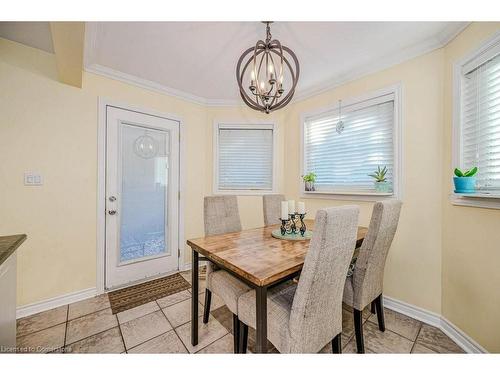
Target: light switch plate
{"type": "Point", "coordinates": [33, 179]}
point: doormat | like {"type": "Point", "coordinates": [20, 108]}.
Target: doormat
{"type": "Point", "coordinates": [140, 294]}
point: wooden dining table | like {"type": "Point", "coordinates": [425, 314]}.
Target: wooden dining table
{"type": "Point", "coordinates": [257, 259]}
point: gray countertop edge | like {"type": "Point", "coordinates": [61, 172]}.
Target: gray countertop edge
{"type": "Point", "coordinates": [12, 247]}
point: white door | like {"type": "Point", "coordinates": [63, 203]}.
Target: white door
{"type": "Point", "coordinates": [142, 190]}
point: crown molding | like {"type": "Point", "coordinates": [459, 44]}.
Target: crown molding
{"type": "Point", "coordinates": [144, 83]}
{"type": "Point", "coordinates": [407, 54]}
{"type": "Point", "coordinates": [429, 45]}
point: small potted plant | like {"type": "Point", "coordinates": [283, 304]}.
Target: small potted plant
{"type": "Point", "coordinates": [309, 180]}
{"type": "Point", "coordinates": [381, 183]}
{"type": "Point", "coordinates": [464, 181]}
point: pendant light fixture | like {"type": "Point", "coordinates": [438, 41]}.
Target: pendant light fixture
{"type": "Point", "coordinates": [267, 74]}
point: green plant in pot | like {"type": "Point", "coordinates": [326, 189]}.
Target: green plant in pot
{"type": "Point", "coordinates": [381, 184]}
{"type": "Point", "coordinates": [465, 181]}
{"type": "Point", "coordinates": [309, 180]}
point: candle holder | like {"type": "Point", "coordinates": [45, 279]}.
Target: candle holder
{"type": "Point", "coordinates": [293, 225]}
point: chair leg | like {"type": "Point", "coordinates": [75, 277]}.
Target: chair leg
{"type": "Point", "coordinates": [206, 308]}
{"type": "Point", "coordinates": [236, 334]}
{"type": "Point", "coordinates": [358, 329]}
{"type": "Point", "coordinates": [243, 337]}
{"type": "Point", "coordinates": [379, 305]}
{"type": "Point", "coordinates": [337, 344]}
{"type": "Point", "coordinates": [372, 307]}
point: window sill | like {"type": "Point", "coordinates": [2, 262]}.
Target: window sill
{"type": "Point", "coordinates": [244, 192]}
{"type": "Point", "coordinates": [348, 196]}
{"type": "Point", "coordinates": [480, 200]}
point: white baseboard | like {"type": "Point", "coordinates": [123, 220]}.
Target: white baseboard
{"type": "Point", "coordinates": [449, 329]}
{"type": "Point", "coordinates": [425, 316]}
{"type": "Point", "coordinates": [460, 338]}
{"type": "Point", "coordinates": [413, 311]}
{"type": "Point", "coordinates": [51, 303]}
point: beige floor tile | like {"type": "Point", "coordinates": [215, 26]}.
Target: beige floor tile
{"type": "Point", "coordinates": [42, 320]}
{"type": "Point", "coordinates": [43, 341]}
{"type": "Point", "coordinates": [207, 334]}
{"type": "Point", "coordinates": [180, 313]}
{"type": "Point", "coordinates": [88, 306]}
{"type": "Point", "coordinates": [366, 312]}
{"type": "Point", "coordinates": [350, 347]}
{"type": "Point", "coordinates": [384, 342]}
{"type": "Point", "coordinates": [146, 327]}
{"type": "Point", "coordinates": [399, 323]}
{"type": "Point", "coordinates": [166, 343]}
{"type": "Point", "coordinates": [215, 303]}
{"type": "Point", "coordinates": [224, 316]}
{"type": "Point", "coordinates": [224, 345]}
{"type": "Point", "coordinates": [109, 341]}
{"type": "Point", "coordinates": [433, 338]}
{"type": "Point", "coordinates": [137, 312]}
{"type": "Point", "coordinates": [347, 324]}
{"type": "Point", "coordinates": [89, 325]}
{"type": "Point", "coordinates": [420, 349]}
{"type": "Point", "coordinates": [174, 298]}
{"type": "Point", "coordinates": [328, 347]}
{"type": "Point", "coordinates": [202, 283]}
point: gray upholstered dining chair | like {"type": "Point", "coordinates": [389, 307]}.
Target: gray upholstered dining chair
{"type": "Point", "coordinates": [303, 317]}
{"type": "Point", "coordinates": [272, 208]}
{"type": "Point", "coordinates": [365, 285]}
{"type": "Point", "coordinates": [221, 215]}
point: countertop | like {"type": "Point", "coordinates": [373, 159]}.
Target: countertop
{"type": "Point", "coordinates": [9, 244]}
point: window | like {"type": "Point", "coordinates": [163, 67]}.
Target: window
{"type": "Point", "coordinates": [244, 158]}
{"type": "Point", "coordinates": [343, 156]}
{"type": "Point", "coordinates": [479, 118]}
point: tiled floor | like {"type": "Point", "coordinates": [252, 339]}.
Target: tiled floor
{"type": "Point", "coordinates": [163, 326]}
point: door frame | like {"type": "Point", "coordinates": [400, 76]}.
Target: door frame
{"type": "Point", "coordinates": [102, 104]}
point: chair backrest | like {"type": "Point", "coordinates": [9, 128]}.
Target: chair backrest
{"type": "Point", "coordinates": [272, 208]}
{"type": "Point", "coordinates": [221, 215]}
{"type": "Point", "coordinates": [368, 275]}
{"type": "Point", "coordinates": [316, 316]}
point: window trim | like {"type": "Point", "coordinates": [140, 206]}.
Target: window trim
{"type": "Point", "coordinates": [215, 152]}
{"type": "Point", "coordinates": [397, 193]}
{"type": "Point", "coordinates": [473, 59]}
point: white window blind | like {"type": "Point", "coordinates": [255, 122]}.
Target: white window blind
{"type": "Point", "coordinates": [343, 159]}
{"type": "Point", "coordinates": [480, 121]}
{"type": "Point", "coordinates": [245, 157]}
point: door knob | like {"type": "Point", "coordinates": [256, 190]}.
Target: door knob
{"type": "Point", "coordinates": [112, 212]}
{"type": "Point", "coordinates": [112, 198]}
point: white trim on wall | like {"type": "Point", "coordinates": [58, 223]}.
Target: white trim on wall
{"type": "Point", "coordinates": [426, 46]}
{"type": "Point", "coordinates": [215, 152]}
{"type": "Point", "coordinates": [425, 316]}
{"type": "Point", "coordinates": [52, 303]}
{"type": "Point", "coordinates": [395, 90]}
{"type": "Point", "coordinates": [101, 184]}
{"type": "Point", "coordinates": [483, 50]}
{"type": "Point", "coordinates": [460, 338]}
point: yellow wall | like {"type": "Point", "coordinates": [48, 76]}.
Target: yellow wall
{"type": "Point", "coordinates": [413, 271]}
{"type": "Point", "coordinates": [443, 259]}
{"type": "Point", "coordinates": [250, 206]}
{"type": "Point", "coordinates": [51, 128]}
{"type": "Point", "coordinates": [471, 236]}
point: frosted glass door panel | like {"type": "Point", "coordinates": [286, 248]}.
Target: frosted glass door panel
{"type": "Point", "coordinates": [144, 176]}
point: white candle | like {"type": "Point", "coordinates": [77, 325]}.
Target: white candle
{"type": "Point", "coordinates": [301, 208]}
{"type": "Point", "coordinates": [291, 207]}
{"type": "Point", "coordinates": [284, 210]}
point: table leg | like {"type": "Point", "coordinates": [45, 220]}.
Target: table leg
{"type": "Point", "coordinates": [194, 299]}
{"type": "Point", "coordinates": [261, 315]}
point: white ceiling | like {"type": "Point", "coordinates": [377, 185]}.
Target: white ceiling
{"type": "Point", "coordinates": [196, 60]}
